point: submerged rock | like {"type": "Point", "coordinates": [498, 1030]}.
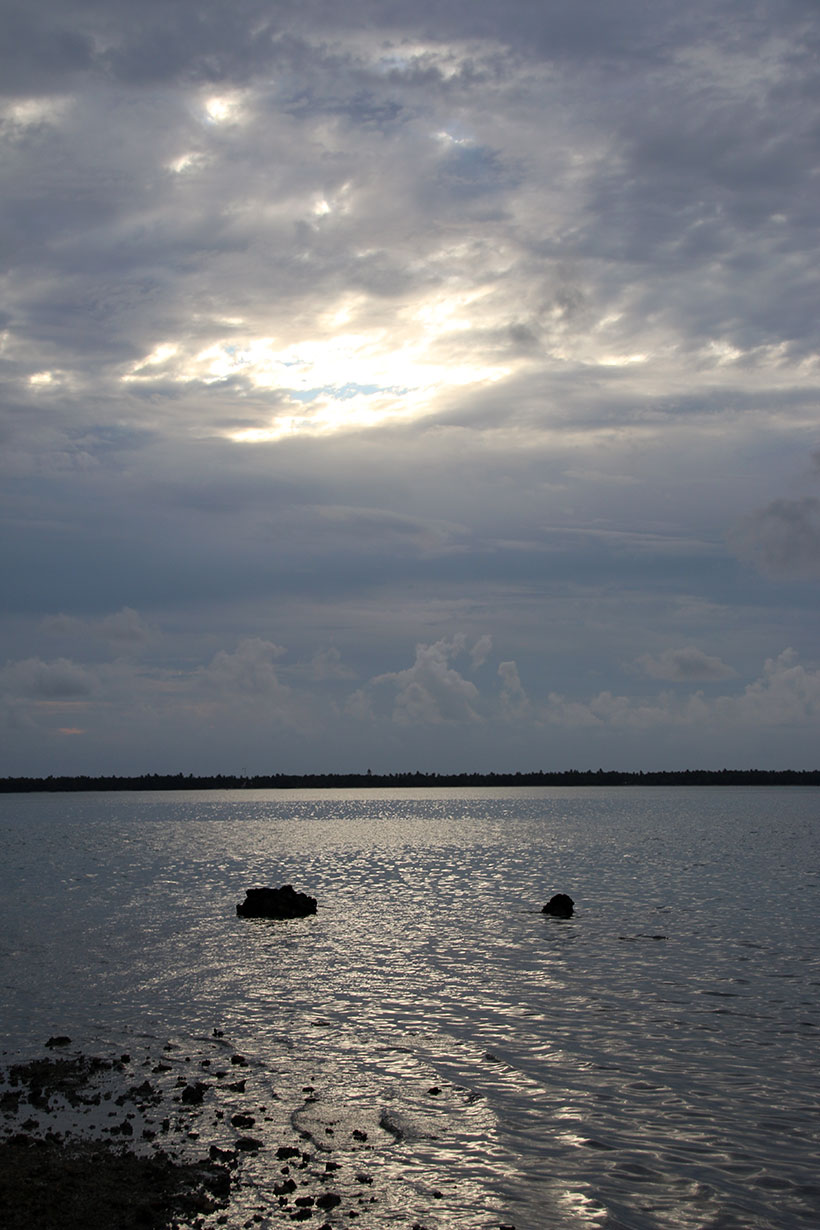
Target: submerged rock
{"type": "Point", "coordinates": [559, 906]}
{"type": "Point", "coordinates": [282, 902]}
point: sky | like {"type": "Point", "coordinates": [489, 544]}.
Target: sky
{"type": "Point", "coordinates": [409, 386]}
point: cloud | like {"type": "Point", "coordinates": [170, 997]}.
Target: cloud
{"type": "Point", "coordinates": [782, 539]}
{"type": "Point", "coordinates": [123, 630]}
{"type": "Point", "coordinates": [461, 326]}
{"type": "Point", "coordinates": [248, 674]}
{"type": "Point", "coordinates": [327, 664]}
{"type": "Point", "coordinates": [515, 704]}
{"type": "Point", "coordinates": [481, 651]}
{"type": "Point", "coordinates": [786, 694]}
{"type": "Point", "coordinates": [34, 679]}
{"type": "Point", "coordinates": [431, 691]}
{"type": "Point", "coordinates": [684, 665]}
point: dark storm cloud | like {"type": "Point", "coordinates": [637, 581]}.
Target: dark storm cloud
{"type": "Point", "coordinates": [783, 538]}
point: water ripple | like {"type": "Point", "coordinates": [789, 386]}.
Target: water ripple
{"type": "Point", "coordinates": [648, 1063]}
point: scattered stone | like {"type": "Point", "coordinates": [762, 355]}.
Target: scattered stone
{"type": "Point", "coordinates": [282, 902]}
{"type": "Point", "coordinates": [193, 1095]}
{"type": "Point", "coordinates": [248, 1144]}
{"type": "Point", "coordinates": [285, 1151]}
{"type": "Point", "coordinates": [53, 1185]}
{"type": "Point", "coordinates": [559, 906]}
{"type": "Point", "coordinates": [328, 1200]}
{"type": "Point", "coordinates": [59, 1040]}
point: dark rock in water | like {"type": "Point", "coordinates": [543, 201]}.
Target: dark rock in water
{"type": "Point", "coordinates": [59, 1040]}
{"type": "Point", "coordinates": [282, 902]}
{"type": "Point", "coordinates": [193, 1095]}
{"type": "Point", "coordinates": [559, 906]}
{"type": "Point", "coordinates": [248, 1144]}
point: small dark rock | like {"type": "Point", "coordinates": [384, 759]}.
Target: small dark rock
{"type": "Point", "coordinates": [328, 1200]}
{"type": "Point", "coordinates": [559, 906]}
{"type": "Point", "coordinates": [59, 1040]}
{"type": "Point", "coordinates": [145, 1091]}
{"type": "Point", "coordinates": [285, 1151]}
{"type": "Point", "coordinates": [243, 1121]}
{"type": "Point", "coordinates": [248, 1144]}
{"type": "Point", "coordinates": [192, 1095]}
{"type": "Point", "coordinates": [282, 902]}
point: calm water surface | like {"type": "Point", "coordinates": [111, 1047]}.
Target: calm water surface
{"type": "Point", "coordinates": [652, 1062]}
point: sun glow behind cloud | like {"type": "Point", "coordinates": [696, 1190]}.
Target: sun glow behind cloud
{"type": "Point", "coordinates": [338, 378]}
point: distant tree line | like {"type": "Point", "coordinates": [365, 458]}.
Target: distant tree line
{"type": "Point", "coordinates": [337, 781]}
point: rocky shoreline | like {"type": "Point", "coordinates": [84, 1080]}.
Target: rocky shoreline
{"type": "Point", "coordinates": [163, 1139]}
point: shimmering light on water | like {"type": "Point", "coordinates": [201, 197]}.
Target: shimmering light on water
{"type": "Point", "coordinates": [650, 1062]}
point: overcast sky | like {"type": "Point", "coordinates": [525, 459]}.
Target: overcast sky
{"type": "Point", "coordinates": [409, 385]}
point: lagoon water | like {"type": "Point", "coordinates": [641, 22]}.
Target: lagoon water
{"type": "Point", "coordinates": [651, 1062]}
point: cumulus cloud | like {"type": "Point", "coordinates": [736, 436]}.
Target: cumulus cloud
{"type": "Point", "coordinates": [249, 673]}
{"type": "Point", "coordinates": [431, 690]}
{"type": "Point", "coordinates": [58, 680]}
{"type": "Point", "coordinates": [328, 664]}
{"type": "Point", "coordinates": [684, 665]}
{"type": "Point", "coordinates": [481, 651]}
{"type": "Point", "coordinates": [515, 704]}
{"type": "Point", "coordinates": [786, 694]}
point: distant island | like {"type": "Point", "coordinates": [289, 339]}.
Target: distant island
{"type": "Point", "coordinates": [357, 781]}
